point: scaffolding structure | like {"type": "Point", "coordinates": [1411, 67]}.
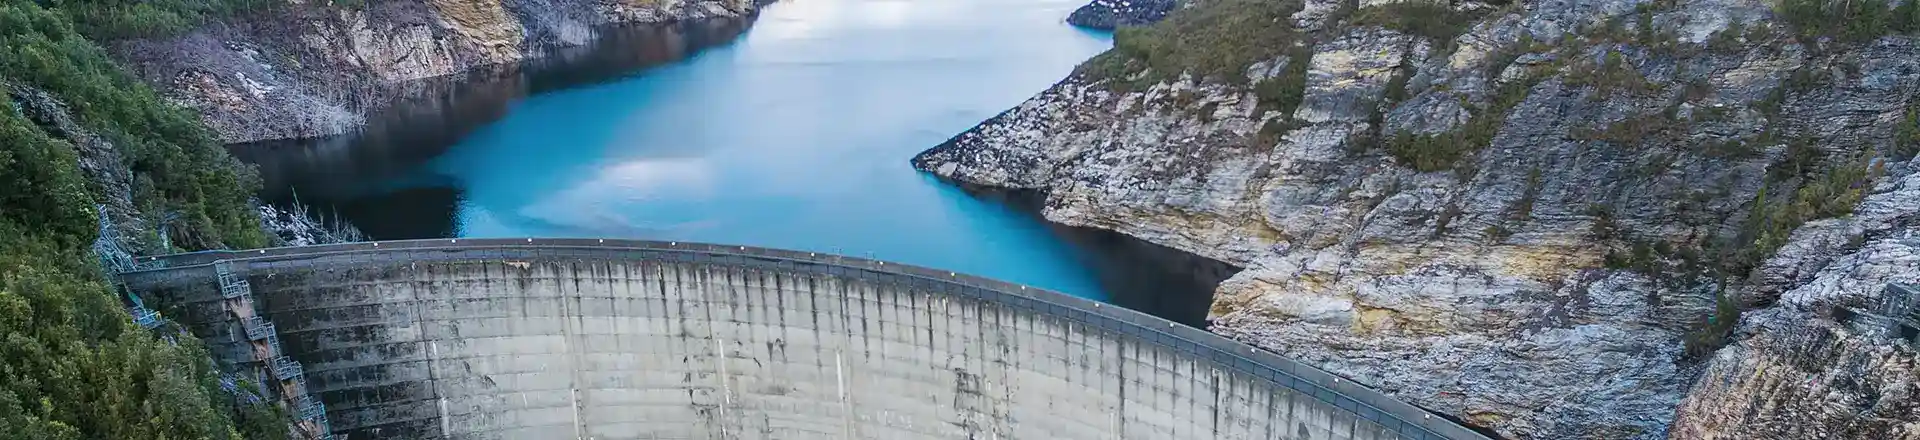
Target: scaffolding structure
{"type": "Point", "coordinates": [285, 368]}
{"type": "Point", "coordinates": [259, 328]}
{"type": "Point", "coordinates": [232, 286]}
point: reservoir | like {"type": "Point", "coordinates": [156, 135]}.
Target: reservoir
{"type": "Point", "coordinates": [792, 131]}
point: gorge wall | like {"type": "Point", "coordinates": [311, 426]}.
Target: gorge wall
{"type": "Point", "coordinates": [1543, 218]}
{"type": "Point", "coordinates": [313, 69]}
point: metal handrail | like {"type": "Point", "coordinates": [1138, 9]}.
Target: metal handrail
{"type": "Point", "coordinates": [285, 368]}
{"type": "Point", "coordinates": [310, 408]}
{"type": "Point", "coordinates": [258, 328]}
{"type": "Point", "coordinates": [1393, 414]}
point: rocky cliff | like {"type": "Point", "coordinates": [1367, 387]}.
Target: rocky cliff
{"type": "Point", "coordinates": [1833, 357]}
{"type": "Point", "coordinates": [309, 69]}
{"type": "Point", "coordinates": [1541, 218]}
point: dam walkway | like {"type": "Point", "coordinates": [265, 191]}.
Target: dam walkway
{"type": "Point", "coordinates": [621, 339]}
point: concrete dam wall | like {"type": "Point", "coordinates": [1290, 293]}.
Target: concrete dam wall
{"type": "Point", "coordinates": [592, 339]}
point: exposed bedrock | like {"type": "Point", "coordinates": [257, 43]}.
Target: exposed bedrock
{"type": "Point", "coordinates": [1547, 282]}
{"type": "Point", "coordinates": [306, 69]}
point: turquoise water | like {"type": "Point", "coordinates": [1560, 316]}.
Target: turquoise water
{"type": "Point", "coordinates": [796, 135]}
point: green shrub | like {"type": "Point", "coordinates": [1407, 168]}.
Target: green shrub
{"type": "Point", "coordinates": [1395, 91]}
{"type": "Point", "coordinates": [1442, 151]}
{"type": "Point", "coordinates": [1283, 93]}
{"type": "Point", "coordinates": [1636, 130]}
{"type": "Point", "coordinates": [1728, 40]}
{"type": "Point", "coordinates": [1434, 152]}
{"type": "Point", "coordinates": [1216, 40]}
{"type": "Point", "coordinates": [1498, 61]}
{"type": "Point", "coordinates": [1435, 20]}
{"type": "Point", "coordinates": [1832, 194]}
{"type": "Point", "coordinates": [1849, 21]}
{"type": "Point", "coordinates": [1444, 219]}
{"type": "Point", "coordinates": [1497, 233]}
{"type": "Point", "coordinates": [116, 19]}
{"type": "Point", "coordinates": [1610, 76]}
{"type": "Point", "coordinates": [1523, 209]}
{"type": "Point", "coordinates": [1113, 66]}
{"type": "Point", "coordinates": [1713, 331]}
{"type": "Point", "coordinates": [1906, 18]}
{"type": "Point", "coordinates": [1906, 134]}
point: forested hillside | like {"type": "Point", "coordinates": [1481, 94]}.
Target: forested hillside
{"type": "Point", "coordinates": [80, 133]}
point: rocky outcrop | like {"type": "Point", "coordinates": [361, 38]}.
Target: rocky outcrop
{"type": "Point", "coordinates": [1831, 359]}
{"type": "Point", "coordinates": [1110, 14]}
{"type": "Point", "coordinates": [1545, 282]}
{"type": "Point", "coordinates": [309, 69]}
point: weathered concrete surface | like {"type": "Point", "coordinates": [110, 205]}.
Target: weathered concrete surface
{"type": "Point", "coordinates": [645, 343]}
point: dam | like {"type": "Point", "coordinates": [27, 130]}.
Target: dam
{"type": "Point", "coordinates": [619, 339]}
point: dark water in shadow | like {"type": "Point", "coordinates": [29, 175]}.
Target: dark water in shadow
{"type": "Point", "coordinates": [435, 114]}
{"type": "Point", "coordinates": [1137, 274]}
{"type": "Point", "coordinates": [795, 135]}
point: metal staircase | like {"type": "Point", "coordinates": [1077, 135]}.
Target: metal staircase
{"type": "Point", "coordinates": [232, 286]}
{"type": "Point", "coordinates": [237, 297]}
{"type": "Point", "coordinates": [259, 328]}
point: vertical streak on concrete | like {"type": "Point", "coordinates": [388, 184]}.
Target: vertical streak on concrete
{"type": "Point", "coordinates": [433, 359]}
{"type": "Point", "coordinates": [840, 382]}
{"type": "Point", "coordinates": [1116, 424]}
{"type": "Point", "coordinates": [1213, 384]}
{"type": "Point", "coordinates": [848, 413]}
{"type": "Point", "coordinates": [726, 384]}
{"type": "Point", "coordinates": [414, 289]}
{"type": "Point", "coordinates": [571, 328]}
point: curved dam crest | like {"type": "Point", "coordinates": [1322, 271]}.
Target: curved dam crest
{"type": "Point", "coordinates": [615, 339]}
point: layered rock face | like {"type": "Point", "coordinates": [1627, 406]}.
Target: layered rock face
{"type": "Point", "coordinates": [309, 69]}
{"type": "Point", "coordinates": [1830, 359]}
{"type": "Point", "coordinates": [1544, 283]}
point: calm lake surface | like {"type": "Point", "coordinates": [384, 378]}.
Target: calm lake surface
{"type": "Point", "coordinates": [793, 133]}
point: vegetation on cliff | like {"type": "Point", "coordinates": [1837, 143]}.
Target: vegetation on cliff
{"type": "Point", "coordinates": [73, 365]}
{"type": "Point", "coordinates": [1217, 41]}
{"type": "Point", "coordinates": [1850, 21]}
{"type": "Point", "coordinates": [1603, 61]}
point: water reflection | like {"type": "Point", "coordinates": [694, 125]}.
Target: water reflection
{"type": "Point", "coordinates": [434, 114]}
